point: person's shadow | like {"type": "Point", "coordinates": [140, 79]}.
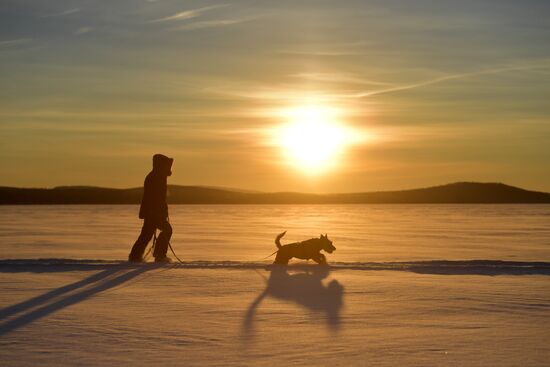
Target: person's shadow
{"type": "Point", "coordinates": [26, 312]}
{"type": "Point", "coordinates": [304, 288]}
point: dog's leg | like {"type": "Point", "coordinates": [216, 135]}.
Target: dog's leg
{"type": "Point", "coordinates": [320, 259]}
{"type": "Point", "coordinates": [280, 259]}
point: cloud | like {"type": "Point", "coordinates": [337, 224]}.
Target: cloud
{"type": "Point", "coordinates": [346, 95]}
{"type": "Point", "coordinates": [15, 42]}
{"type": "Point", "coordinates": [63, 13]}
{"type": "Point", "coordinates": [210, 24]}
{"type": "Point", "coordinates": [319, 52]}
{"type": "Point", "coordinates": [337, 78]}
{"type": "Point", "coordinates": [446, 78]}
{"type": "Point", "coordinates": [326, 49]}
{"type": "Point", "coordinates": [83, 30]}
{"type": "Point", "coordinates": [188, 14]}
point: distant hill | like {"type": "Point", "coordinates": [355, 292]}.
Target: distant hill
{"type": "Point", "coordinates": [460, 192]}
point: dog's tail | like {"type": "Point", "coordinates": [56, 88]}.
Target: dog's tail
{"type": "Point", "coordinates": [278, 239]}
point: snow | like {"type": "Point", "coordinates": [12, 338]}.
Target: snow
{"type": "Point", "coordinates": [407, 286]}
{"type": "Point", "coordinates": [306, 315]}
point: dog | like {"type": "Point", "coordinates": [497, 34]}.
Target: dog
{"type": "Point", "coordinates": [309, 249]}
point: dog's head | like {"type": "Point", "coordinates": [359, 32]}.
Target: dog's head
{"type": "Point", "coordinates": [327, 244]}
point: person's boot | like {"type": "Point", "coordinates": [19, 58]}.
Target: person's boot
{"type": "Point", "coordinates": [136, 254]}
{"type": "Point", "coordinates": [161, 248]}
{"type": "Point", "coordinates": [135, 259]}
{"type": "Point", "coordinates": [164, 259]}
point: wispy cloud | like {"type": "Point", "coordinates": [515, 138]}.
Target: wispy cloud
{"type": "Point", "coordinates": [188, 14]}
{"type": "Point", "coordinates": [63, 13]}
{"type": "Point", "coordinates": [319, 52]}
{"type": "Point", "coordinates": [210, 24]}
{"type": "Point", "coordinates": [337, 78]}
{"type": "Point", "coordinates": [301, 91]}
{"type": "Point", "coordinates": [326, 49]}
{"type": "Point", "coordinates": [447, 78]}
{"type": "Point", "coordinates": [83, 30]}
{"type": "Point", "coordinates": [15, 42]}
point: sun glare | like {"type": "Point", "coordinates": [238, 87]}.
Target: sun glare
{"type": "Point", "coordinates": [312, 138]}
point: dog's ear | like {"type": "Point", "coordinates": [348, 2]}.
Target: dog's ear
{"type": "Point", "coordinates": [320, 236]}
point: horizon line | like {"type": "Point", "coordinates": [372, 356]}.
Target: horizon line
{"type": "Point", "coordinates": [252, 191]}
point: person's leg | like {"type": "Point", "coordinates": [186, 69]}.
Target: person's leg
{"type": "Point", "coordinates": [147, 232]}
{"type": "Point", "coordinates": [161, 246]}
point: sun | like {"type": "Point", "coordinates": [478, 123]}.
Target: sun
{"type": "Point", "coordinates": [312, 138]}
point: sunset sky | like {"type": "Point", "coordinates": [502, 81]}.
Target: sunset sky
{"type": "Point", "coordinates": [396, 94]}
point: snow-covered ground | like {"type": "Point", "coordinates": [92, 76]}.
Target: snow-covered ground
{"type": "Point", "coordinates": [408, 286]}
{"type": "Point", "coordinates": [205, 314]}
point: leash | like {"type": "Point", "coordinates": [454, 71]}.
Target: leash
{"type": "Point", "coordinates": [268, 256]}
{"type": "Point", "coordinates": [173, 252]}
{"type": "Point", "coordinates": [152, 249]}
{"type": "Point", "coordinates": [170, 245]}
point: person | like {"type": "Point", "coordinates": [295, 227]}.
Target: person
{"type": "Point", "coordinates": [154, 212]}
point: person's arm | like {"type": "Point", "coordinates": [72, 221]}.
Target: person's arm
{"type": "Point", "coordinates": [157, 198]}
{"type": "Point", "coordinates": [145, 208]}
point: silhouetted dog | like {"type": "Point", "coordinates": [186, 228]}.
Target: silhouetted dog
{"type": "Point", "coordinates": [309, 249]}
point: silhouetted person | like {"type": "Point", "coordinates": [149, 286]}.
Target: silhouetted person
{"type": "Point", "coordinates": [154, 211]}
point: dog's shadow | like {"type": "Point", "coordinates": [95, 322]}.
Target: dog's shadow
{"type": "Point", "coordinates": [304, 287]}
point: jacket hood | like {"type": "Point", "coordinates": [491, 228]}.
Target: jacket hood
{"type": "Point", "coordinates": [162, 164]}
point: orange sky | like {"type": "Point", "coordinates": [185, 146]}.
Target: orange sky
{"type": "Point", "coordinates": [426, 92]}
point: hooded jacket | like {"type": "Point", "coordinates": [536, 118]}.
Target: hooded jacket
{"type": "Point", "coordinates": [153, 203]}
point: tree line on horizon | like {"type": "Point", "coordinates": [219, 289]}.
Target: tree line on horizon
{"type": "Point", "coordinates": [460, 192]}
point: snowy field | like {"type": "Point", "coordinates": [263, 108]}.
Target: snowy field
{"type": "Point", "coordinates": [386, 300]}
